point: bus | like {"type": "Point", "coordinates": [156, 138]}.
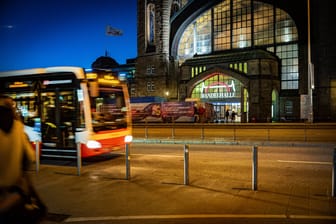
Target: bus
{"type": "Point", "coordinates": [64, 108]}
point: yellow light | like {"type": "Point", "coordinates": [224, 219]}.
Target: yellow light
{"type": "Point", "coordinates": [109, 77]}
{"type": "Point", "coordinates": [108, 81]}
{"type": "Point", "coordinates": [18, 84]}
{"type": "Point", "coordinates": [91, 75]}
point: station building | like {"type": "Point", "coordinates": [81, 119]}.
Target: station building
{"type": "Point", "coordinates": [254, 57]}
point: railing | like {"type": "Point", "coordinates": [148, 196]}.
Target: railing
{"type": "Point", "coordinates": [236, 132]}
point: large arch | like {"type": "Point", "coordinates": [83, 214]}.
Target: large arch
{"type": "Point", "coordinates": [227, 90]}
{"type": "Point", "coordinates": [223, 28]}
{"type": "Point", "coordinates": [220, 70]}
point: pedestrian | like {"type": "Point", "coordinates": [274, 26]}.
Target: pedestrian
{"type": "Point", "coordinates": [201, 112]}
{"type": "Point", "coordinates": [227, 114]}
{"type": "Point", "coordinates": [16, 153]}
{"type": "Point", "coordinates": [233, 116]}
{"type": "Point", "coordinates": [196, 115]}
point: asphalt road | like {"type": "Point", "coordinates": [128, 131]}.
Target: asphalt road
{"type": "Point", "coordinates": [294, 186]}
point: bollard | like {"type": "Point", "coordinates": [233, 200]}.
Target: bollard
{"type": "Point", "coordinates": [333, 187]}
{"type": "Point", "coordinates": [173, 128]}
{"type": "Point", "coordinates": [79, 159]}
{"type": "Point", "coordinates": [127, 161]}
{"type": "Point", "coordinates": [255, 168]}
{"type": "Point", "coordinates": [37, 154]}
{"type": "Point", "coordinates": [186, 165]}
{"type": "Point", "coordinates": [146, 129]}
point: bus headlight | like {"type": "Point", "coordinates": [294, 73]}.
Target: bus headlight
{"type": "Point", "coordinates": [128, 138]}
{"type": "Point", "coordinates": [92, 144]}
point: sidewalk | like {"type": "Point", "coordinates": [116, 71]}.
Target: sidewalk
{"type": "Point", "coordinates": [104, 194]}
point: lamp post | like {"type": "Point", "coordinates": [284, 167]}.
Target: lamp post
{"type": "Point", "coordinates": [310, 72]}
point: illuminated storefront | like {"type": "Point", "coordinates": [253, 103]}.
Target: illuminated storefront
{"type": "Point", "coordinates": [223, 91]}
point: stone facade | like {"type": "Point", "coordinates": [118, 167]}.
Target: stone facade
{"type": "Point", "coordinates": [159, 74]}
{"type": "Point", "coordinates": [153, 68]}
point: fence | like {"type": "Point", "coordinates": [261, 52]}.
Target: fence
{"type": "Point", "coordinates": [235, 132]}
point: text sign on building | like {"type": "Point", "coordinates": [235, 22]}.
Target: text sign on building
{"type": "Point", "coordinates": [218, 90]}
{"type": "Point", "coordinates": [217, 86]}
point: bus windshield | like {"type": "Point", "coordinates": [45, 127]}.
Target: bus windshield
{"type": "Point", "coordinates": [108, 109]}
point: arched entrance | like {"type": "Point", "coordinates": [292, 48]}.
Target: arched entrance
{"type": "Point", "coordinates": [226, 91]}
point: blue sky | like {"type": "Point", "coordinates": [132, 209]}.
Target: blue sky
{"type": "Point", "coordinates": [41, 33]}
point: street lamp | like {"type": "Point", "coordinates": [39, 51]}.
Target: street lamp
{"type": "Point", "coordinates": [310, 73]}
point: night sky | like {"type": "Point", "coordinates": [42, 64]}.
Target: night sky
{"type": "Point", "coordinates": [41, 33]}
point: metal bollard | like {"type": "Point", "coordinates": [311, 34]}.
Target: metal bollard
{"type": "Point", "coordinates": [186, 164]}
{"type": "Point", "coordinates": [79, 159]}
{"type": "Point", "coordinates": [146, 129]}
{"type": "Point", "coordinates": [37, 154]}
{"type": "Point", "coordinates": [255, 168]}
{"type": "Point", "coordinates": [127, 162]}
{"type": "Point", "coordinates": [333, 187]}
{"type": "Point", "coordinates": [173, 128]}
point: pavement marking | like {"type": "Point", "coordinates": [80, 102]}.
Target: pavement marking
{"type": "Point", "coordinates": [305, 162]}
{"type": "Point", "coordinates": [200, 216]}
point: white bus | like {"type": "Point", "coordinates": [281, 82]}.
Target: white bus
{"type": "Point", "coordinates": [62, 107]}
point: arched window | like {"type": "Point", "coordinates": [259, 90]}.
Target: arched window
{"type": "Point", "coordinates": [243, 25]}
{"type": "Point", "coordinates": [196, 39]}
{"type": "Point", "coordinates": [150, 24]}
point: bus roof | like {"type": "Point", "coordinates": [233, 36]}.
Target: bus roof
{"type": "Point", "coordinates": [76, 70]}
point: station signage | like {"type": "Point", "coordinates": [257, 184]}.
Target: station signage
{"type": "Point", "coordinates": [217, 87]}
{"type": "Point", "coordinates": [218, 90]}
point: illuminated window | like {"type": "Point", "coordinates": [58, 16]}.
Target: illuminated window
{"type": "Point", "coordinates": [196, 39]}
{"type": "Point", "coordinates": [150, 23]}
{"type": "Point", "coordinates": [197, 70]}
{"type": "Point", "coordinates": [222, 21]}
{"type": "Point", "coordinates": [285, 27]}
{"type": "Point", "coordinates": [232, 29]}
{"type": "Point", "coordinates": [203, 34]}
{"type": "Point", "coordinates": [240, 67]}
{"type": "Point", "coordinates": [263, 24]}
{"type": "Point", "coordinates": [186, 45]}
{"type": "Point", "coordinates": [289, 66]}
{"type": "Point", "coordinates": [241, 24]}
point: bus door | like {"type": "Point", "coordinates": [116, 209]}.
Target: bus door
{"type": "Point", "coordinates": [58, 118]}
